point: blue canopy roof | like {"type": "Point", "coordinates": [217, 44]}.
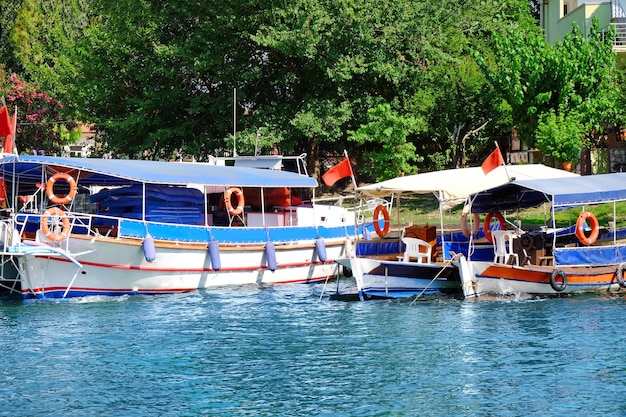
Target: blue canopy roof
{"type": "Point", "coordinates": [93, 171]}
{"type": "Point", "coordinates": [560, 192]}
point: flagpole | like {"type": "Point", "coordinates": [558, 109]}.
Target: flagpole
{"type": "Point", "coordinates": [505, 170]}
{"type": "Point", "coordinates": [356, 226]}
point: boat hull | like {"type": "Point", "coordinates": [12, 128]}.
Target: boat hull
{"type": "Point", "coordinates": [112, 266]}
{"type": "Point", "coordinates": [384, 279]}
{"type": "Point", "coordinates": [500, 279]}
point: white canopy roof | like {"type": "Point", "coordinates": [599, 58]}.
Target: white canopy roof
{"type": "Point", "coordinates": [454, 186]}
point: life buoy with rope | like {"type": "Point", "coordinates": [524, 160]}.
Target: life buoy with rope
{"type": "Point", "coordinates": [475, 225]}
{"type": "Point", "coordinates": [554, 276]}
{"type": "Point", "coordinates": [61, 199]}
{"type": "Point", "coordinates": [595, 228]}
{"type": "Point", "coordinates": [53, 235]}
{"type": "Point", "coordinates": [380, 209]}
{"type": "Point", "coordinates": [240, 201]}
{"type": "Point", "coordinates": [619, 274]}
{"type": "Point", "coordinates": [487, 225]}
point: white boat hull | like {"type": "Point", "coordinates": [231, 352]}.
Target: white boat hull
{"type": "Point", "coordinates": [376, 278]}
{"type": "Point", "coordinates": [111, 266]}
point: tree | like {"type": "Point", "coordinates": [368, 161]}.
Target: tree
{"type": "Point", "coordinates": [548, 87]}
{"type": "Point", "coordinates": [390, 129]}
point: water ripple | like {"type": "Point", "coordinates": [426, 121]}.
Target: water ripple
{"type": "Point", "coordinates": [281, 351]}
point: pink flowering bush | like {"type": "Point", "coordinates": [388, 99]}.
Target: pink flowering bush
{"type": "Point", "coordinates": [40, 123]}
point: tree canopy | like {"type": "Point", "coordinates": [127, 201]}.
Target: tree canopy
{"type": "Point", "coordinates": [395, 83]}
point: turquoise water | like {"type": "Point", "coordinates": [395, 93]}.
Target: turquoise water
{"type": "Point", "coordinates": [281, 351]}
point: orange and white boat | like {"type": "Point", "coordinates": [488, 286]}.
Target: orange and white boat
{"type": "Point", "coordinates": [552, 260]}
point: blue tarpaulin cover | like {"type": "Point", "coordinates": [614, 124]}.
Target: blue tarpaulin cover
{"type": "Point", "coordinates": [561, 192]}
{"type": "Point", "coordinates": [126, 172]}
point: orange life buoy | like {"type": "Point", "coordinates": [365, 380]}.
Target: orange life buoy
{"type": "Point", "coordinates": [240, 201]}
{"type": "Point", "coordinates": [475, 225]}
{"type": "Point", "coordinates": [595, 228]}
{"type": "Point", "coordinates": [61, 199]}
{"type": "Point", "coordinates": [377, 211]}
{"type": "Point", "coordinates": [487, 225]}
{"type": "Point", "coordinates": [65, 231]}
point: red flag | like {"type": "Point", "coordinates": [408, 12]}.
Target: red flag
{"type": "Point", "coordinates": [8, 142]}
{"type": "Point", "coordinates": [339, 171]}
{"type": "Point", "coordinates": [493, 161]}
{"type": "Point", "coordinates": [6, 127]}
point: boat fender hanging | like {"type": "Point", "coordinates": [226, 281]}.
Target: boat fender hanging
{"type": "Point", "coordinates": [595, 228]}
{"type": "Point", "coordinates": [149, 251]}
{"type": "Point", "coordinates": [619, 274]}
{"type": "Point", "coordinates": [320, 245]}
{"type": "Point", "coordinates": [214, 254]}
{"type": "Point", "coordinates": [347, 246]}
{"type": "Point", "coordinates": [270, 254]}
{"type": "Point", "coordinates": [556, 286]}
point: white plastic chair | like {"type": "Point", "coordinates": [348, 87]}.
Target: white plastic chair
{"type": "Point", "coordinates": [503, 247]}
{"type": "Point", "coordinates": [412, 250]}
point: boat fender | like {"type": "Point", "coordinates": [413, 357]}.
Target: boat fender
{"type": "Point", "coordinates": [367, 235]}
{"type": "Point", "coordinates": [270, 254]}
{"type": "Point", "coordinates": [347, 272]}
{"type": "Point", "coordinates": [556, 286]}
{"type": "Point", "coordinates": [149, 251]}
{"type": "Point", "coordinates": [347, 246]}
{"type": "Point", "coordinates": [487, 225]}
{"type": "Point", "coordinates": [214, 254]}
{"type": "Point", "coordinates": [380, 209]}
{"type": "Point", "coordinates": [595, 228]}
{"type": "Point", "coordinates": [619, 274]}
{"type": "Point", "coordinates": [320, 245]}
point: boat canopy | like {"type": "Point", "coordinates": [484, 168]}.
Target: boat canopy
{"type": "Point", "coordinates": [560, 192]}
{"type": "Point", "coordinates": [453, 186]}
{"type": "Point", "coordinates": [110, 172]}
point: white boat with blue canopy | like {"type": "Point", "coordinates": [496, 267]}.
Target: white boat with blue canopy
{"type": "Point", "coordinates": [87, 226]}
{"type": "Point", "coordinates": [558, 258]}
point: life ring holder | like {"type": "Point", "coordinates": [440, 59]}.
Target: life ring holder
{"type": "Point", "coordinates": [234, 211]}
{"type": "Point", "coordinates": [475, 225]}
{"type": "Point", "coordinates": [487, 225]}
{"type": "Point", "coordinates": [45, 228]}
{"type": "Point", "coordinates": [61, 199]}
{"type": "Point", "coordinates": [553, 280]}
{"type": "Point", "coordinates": [380, 209]}
{"type": "Point", "coordinates": [595, 228]}
{"type": "Point", "coordinates": [619, 274]}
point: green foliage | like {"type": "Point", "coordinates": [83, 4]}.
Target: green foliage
{"type": "Point", "coordinates": [40, 122]}
{"type": "Point", "coordinates": [561, 135]}
{"type": "Point", "coordinates": [157, 78]}
{"type": "Point", "coordinates": [548, 88]}
{"type": "Point", "coordinates": [389, 130]}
